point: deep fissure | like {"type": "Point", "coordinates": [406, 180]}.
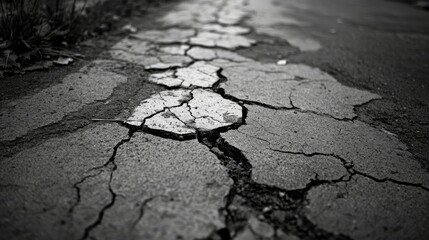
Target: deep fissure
{"type": "Point", "coordinates": [257, 196]}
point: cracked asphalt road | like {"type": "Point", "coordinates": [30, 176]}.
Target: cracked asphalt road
{"type": "Point", "coordinates": [195, 130]}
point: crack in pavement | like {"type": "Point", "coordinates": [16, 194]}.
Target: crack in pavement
{"type": "Point", "coordinates": [82, 118]}
{"type": "Point", "coordinates": [246, 186]}
{"type": "Point", "coordinates": [349, 166]}
{"type": "Point", "coordinates": [143, 205]}
{"type": "Point", "coordinates": [77, 188]}
{"type": "Point", "coordinates": [258, 196]}
{"type": "Point", "coordinates": [111, 165]}
{"type": "Point", "coordinates": [256, 103]}
{"type": "Point", "coordinates": [416, 185]}
{"type": "Point", "coordinates": [198, 74]}
{"type": "Point", "coordinates": [199, 109]}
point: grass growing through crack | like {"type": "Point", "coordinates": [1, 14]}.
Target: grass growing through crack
{"type": "Point", "coordinates": [33, 30]}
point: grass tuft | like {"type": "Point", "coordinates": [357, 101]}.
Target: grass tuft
{"type": "Point", "coordinates": [31, 30]}
{"type": "Point", "coordinates": [33, 33]}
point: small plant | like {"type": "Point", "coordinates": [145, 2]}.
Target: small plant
{"type": "Point", "coordinates": [33, 30]}
{"type": "Point", "coordinates": [34, 34]}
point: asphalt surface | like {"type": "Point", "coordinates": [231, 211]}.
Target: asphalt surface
{"type": "Point", "coordinates": [295, 119]}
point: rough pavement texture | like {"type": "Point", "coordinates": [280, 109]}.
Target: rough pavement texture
{"type": "Point", "coordinates": [385, 215]}
{"type": "Point", "coordinates": [199, 74]}
{"type": "Point", "coordinates": [40, 187]}
{"type": "Point", "coordinates": [292, 86]}
{"type": "Point", "coordinates": [200, 53]}
{"type": "Point", "coordinates": [165, 189]}
{"type": "Point", "coordinates": [353, 144]}
{"type": "Point", "coordinates": [144, 53]}
{"type": "Point", "coordinates": [222, 40]}
{"type": "Point", "coordinates": [231, 120]}
{"type": "Point", "coordinates": [90, 84]}
{"type": "Point", "coordinates": [184, 112]}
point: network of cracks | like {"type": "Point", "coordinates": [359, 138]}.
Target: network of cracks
{"type": "Point", "coordinates": [284, 134]}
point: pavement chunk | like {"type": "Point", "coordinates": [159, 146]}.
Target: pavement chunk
{"type": "Point", "coordinates": [199, 74]}
{"type": "Point", "coordinates": [291, 85]}
{"type": "Point", "coordinates": [168, 190]}
{"type": "Point", "coordinates": [229, 41]}
{"type": "Point", "coordinates": [201, 53]}
{"type": "Point", "coordinates": [193, 13]}
{"type": "Point", "coordinates": [38, 185]}
{"type": "Point", "coordinates": [157, 103]}
{"type": "Point", "coordinates": [225, 29]}
{"type": "Point", "coordinates": [171, 35]}
{"type": "Point", "coordinates": [367, 149]}
{"type": "Point", "coordinates": [198, 13]}
{"type": "Point", "coordinates": [391, 211]}
{"type": "Point", "coordinates": [183, 112]}
{"type": "Point", "coordinates": [149, 55]}
{"type": "Point", "coordinates": [92, 83]}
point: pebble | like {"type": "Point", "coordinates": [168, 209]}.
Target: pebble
{"type": "Point", "coordinates": [261, 228]}
{"type": "Point", "coordinates": [246, 234]}
{"type": "Point", "coordinates": [282, 62]}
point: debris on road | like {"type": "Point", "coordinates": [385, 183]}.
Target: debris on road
{"type": "Point", "coordinates": [261, 228]}
{"type": "Point", "coordinates": [63, 61]}
{"type": "Point", "coordinates": [129, 28]}
{"type": "Point", "coordinates": [282, 62]}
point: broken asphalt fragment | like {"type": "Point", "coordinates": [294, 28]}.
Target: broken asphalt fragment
{"type": "Point", "coordinates": [168, 189]}
{"type": "Point", "coordinates": [43, 191]}
{"type": "Point", "coordinates": [350, 207]}
{"type": "Point", "coordinates": [212, 111]}
{"type": "Point", "coordinates": [229, 41]}
{"type": "Point", "coordinates": [184, 112]}
{"type": "Point", "coordinates": [167, 121]}
{"type": "Point", "coordinates": [199, 74]}
{"type": "Point", "coordinates": [172, 35]}
{"type": "Point", "coordinates": [269, 84]}
{"type": "Point", "coordinates": [291, 86]}
{"type": "Point", "coordinates": [177, 49]}
{"type": "Point", "coordinates": [90, 84]}
{"type": "Point", "coordinates": [156, 104]}
{"type": "Point", "coordinates": [236, 30]}
{"type": "Point", "coordinates": [198, 13]}
{"type": "Point", "coordinates": [149, 55]}
{"type": "Point", "coordinates": [308, 144]}
{"type": "Point", "coordinates": [201, 53]}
